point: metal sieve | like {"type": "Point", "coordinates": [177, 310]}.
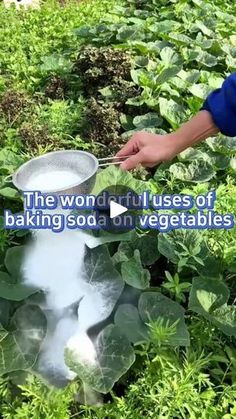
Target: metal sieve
{"type": "Point", "coordinates": [79, 162]}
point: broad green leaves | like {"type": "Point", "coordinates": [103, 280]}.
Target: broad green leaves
{"type": "Point", "coordinates": [14, 291]}
{"type": "Point", "coordinates": [151, 119]}
{"type": "Point", "coordinates": [223, 145]}
{"type": "Point", "coordinates": [155, 310]}
{"type": "Point", "coordinates": [13, 261]}
{"type": "Point", "coordinates": [21, 345]}
{"type": "Point", "coordinates": [114, 355]}
{"type": "Point", "coordinates": [172, 244]}
{"type": "Point", "coordinates": [113, 176]}
{"type": "Point", "coordinates": [128, 319]}
{"type": "Point", "coordinates": [55, 64]}
{"type": "Point", "coordinates": [9, 193]}
{"type": "Point", "coordinates": [169, 57]}
{"type": "Point", "coordinates": [197, 171]}
{"type": "Point", "coordinates": [146, 244]}
{"type": "Point", "coordinates": [5, 307]}
{"type": "Point", "coordinates": [172, 112]}
{"type": "Point", "coordinates": [133, 272]}
{"type": "Point", "coordinates": [9, 161]}
{"type": "Point", "coordinates": [11, 285]}
{"type": "Point", "coordinates": [104, 287]}
{"type": "Point", "coordinates": [155, 306]}
{"type": "Point", "coordinates": [209, 297]}
{"type": "Point", "coordinates": [106, 359]}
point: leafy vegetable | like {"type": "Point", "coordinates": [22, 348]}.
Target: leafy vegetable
{"type": "Point", "coordinates": [209, 298]}
{"type": "Point", "coordinates": [21, 345]}
{"type": "Point", "coordinates": [114, 356]}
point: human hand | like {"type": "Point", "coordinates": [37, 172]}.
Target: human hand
{"type": "Point", "coordinates": [148, 150]}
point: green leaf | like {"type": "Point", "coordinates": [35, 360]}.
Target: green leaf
{"type": "Point", "coordinates": [126, 122]}
{"type": "Point", "coordinates": [128, 33]}
{"type": "Point", "coordinates": [9, 193]}
{"type": "Point", "coordinates": [13, 261]}
{"type": "Point", "coordinates": [150, 119]}
{"type": "Point", "coordinates": [9, 161]}
{"type": "Point", "coordinates": [105, 286]}
{"type": "Point", "coordinates": [216, 159]}
{"type": "Point", "coordinates": [135, 75]}
{"type": "Point", "coordinates": [180, 39]}
{"type": "Point", "coordinates": [14, 292]}
{"type": "Point", "coordinates": [209, 297]}
{"type": "Point", "coordinates": [166, 74]}
{"type": "Point", "coordinates": [190, 77]}
{"type": "Point", "coordinates": [191, 154]}
{"type": "Point", "coordinates": [113, 176]}
{"type": "Point", "coordinates": [146, 244]}
{"type": "Point", "coordinates": [197, 171]}
{"type": "Point", "coordinates": [164, 26]}
{"type": "Point", "coordinates": [212, 266]}
{"type": "Point", "coordinates": [55, 63]}
{"type": "Point", "coordinates": [233, 163]}
{"type": "Point", "coordinates": [207, 294]}
{"type": "Point", "coordinates": [20, 348]}
{"type": "Point", "coordinates": [222, 144]}
{"type": "Point", "coordinates": [173, 243]}
{"type": "Point", "coordinates": [154, 306]}
{"type": "Point", "coordinates": [200, 90]}
{"type": "Point", "coordinates": [114, 356]}
{"type": "Point", "coordinates": [147, 79]}
{"type": "Point", "coordinates": [207, 59]}
{"type": "Point", "coordinates": [225, 319]}
{"type": "Point", "coordinates": [133, 272]}
{"type": "Point", "coordinates": [169, 57]}
{"type": "Point", "coordinates": [4, 312]}
{"type": "Point", "coordinates": [205, 30]}
{"type": "Point", "coordinates": [172, 112]}
{"type": "Point", "coordinates": [128, 320]}
{"type": "Point", "coordinates": [167, 247]}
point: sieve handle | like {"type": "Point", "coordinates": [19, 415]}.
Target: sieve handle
{"type": "Point", "coordinates": [8, 178]}
{"type": "Point", "coordinates": [110, 160]}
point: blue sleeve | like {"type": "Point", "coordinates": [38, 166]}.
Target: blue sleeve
{"type": "Point", "coordinates": [222, 105]}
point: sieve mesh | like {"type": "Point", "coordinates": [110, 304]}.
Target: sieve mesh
{"type": "Point", "coordinates": [83, 164]}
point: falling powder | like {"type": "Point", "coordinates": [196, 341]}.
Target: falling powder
{"type": "Point", "coordinates": [51, 362]}
{"type": "Point", "coordinates": [82, 348]}
{"type": "Point", "coordinates": [54, 264]}
{"type": "Point", "coordinates": [53, 180]}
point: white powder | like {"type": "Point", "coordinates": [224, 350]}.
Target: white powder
{"type": "Point", "coordinates": [82, 348]}
{"type": "Point", "coordinates": [54, 263]}
{"type": "Point", "coordinates": [53, 180]}
{"type": "Point", "coordinates": [51, 362]}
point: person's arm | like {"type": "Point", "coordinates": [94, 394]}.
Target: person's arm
{"type": "Point", "coordinates": [218, 114]}
{"type": "Point", "coordinates": [222, 105]}
{"type": "Point", "coordinates": [150, 149]}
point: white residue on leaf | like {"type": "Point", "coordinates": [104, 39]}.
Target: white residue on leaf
{"type": "Point", "coordinates": [51, 362]}
{"type": "Point", "coordinates": [98, 309]}
{"type": "Point", "coordinates": [82, 348]}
